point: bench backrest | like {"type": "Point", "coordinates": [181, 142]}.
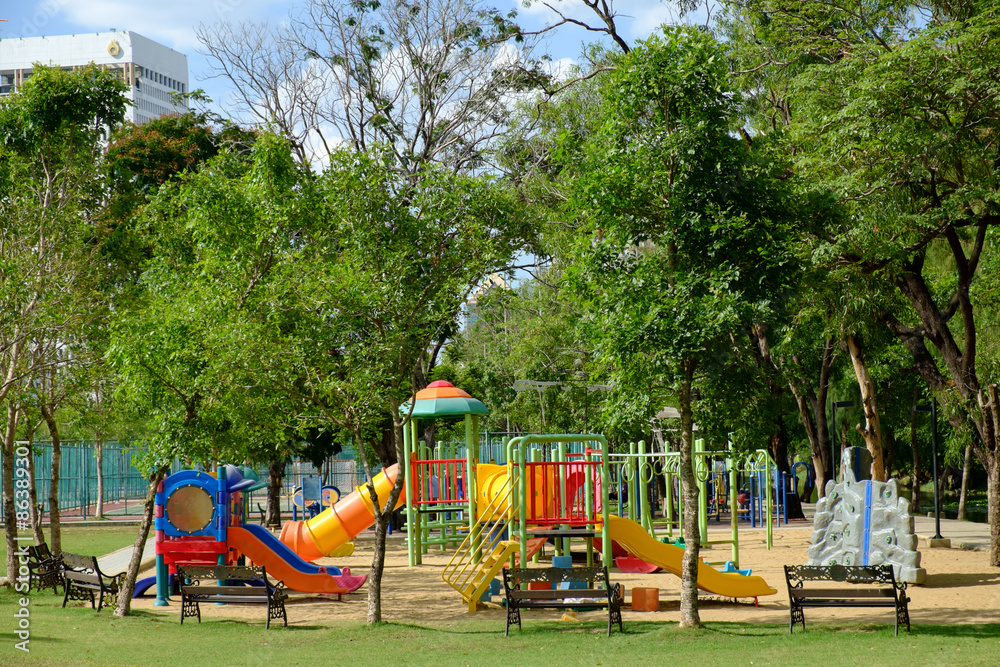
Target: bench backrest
{"type": "Point", "coordinates": [851, 574]}
{"type": "Point", "coordinates": [79, 563]}
{"type": "Point", "coordinates": [515, 577]}
{"type": "Point", "coordinates": [40, 552]}
{"type": "Point", "coordinates": [222, 572]}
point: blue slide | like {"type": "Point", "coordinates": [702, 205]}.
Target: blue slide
{"type": "Point", "coordinates": [286, 554]}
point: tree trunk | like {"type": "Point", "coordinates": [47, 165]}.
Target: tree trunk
{"type": "Point", "coordinates": [55, 532]}
{"type": "Point", "coordinates": [872, 429]}
{"type": "Point", "coordinates": [812, 414]}
{"type": "Point", "coordinates": [382, 518]}
{"type": "Point", "coordinates": [966, 472]}
{"type": "Point", "coordinates": [124, 605]}
{"type": "Point", "coordinates": [689, 487]}
{"type": "Point", "coordinates": [374, 614]}
{"type": "Point", "coordinates": [9, 511]}
{"type": "Point", "coordinates": [275, 473]}
{"type": "Point", "coordinates": [35, 513]}
{"type": "Point", "coordinates": [993, 509]}
{"type": "Point", "coordinates": [99, 460]}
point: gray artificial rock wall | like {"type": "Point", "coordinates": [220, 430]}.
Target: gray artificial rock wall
{"type": "Point", "coordinates": [840, 535]}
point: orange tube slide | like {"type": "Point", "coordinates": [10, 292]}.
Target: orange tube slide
{"type": "Point", "coordinates": [337, 525]}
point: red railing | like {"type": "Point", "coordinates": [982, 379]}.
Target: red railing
{"type": "Point", "coordinates": [550, 504]}
{"type": "Point", "coordinates": [438, 481]}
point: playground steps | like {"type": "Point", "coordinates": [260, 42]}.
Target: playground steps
{"type": "Point", "coordinates": [488, 568]}
{"type": "Point", "coordinates": [484, 551]}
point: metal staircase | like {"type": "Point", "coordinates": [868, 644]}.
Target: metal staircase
{"type": "Point", "coordinates": [484, 552]}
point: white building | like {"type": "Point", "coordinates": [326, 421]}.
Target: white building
{"type": "Point", "coordinates": [153, 71]}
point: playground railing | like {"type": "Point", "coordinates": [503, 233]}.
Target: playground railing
{"type": "Point", "coordinates": [438, 482]}
{"type": "Point", "coordinates": [564, 483]}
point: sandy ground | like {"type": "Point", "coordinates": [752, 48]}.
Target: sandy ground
{"type": "Point", "coordinates": [961, 587]}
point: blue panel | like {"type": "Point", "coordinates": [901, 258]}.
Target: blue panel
{"type": "Point", "coordinates": [868, 524]}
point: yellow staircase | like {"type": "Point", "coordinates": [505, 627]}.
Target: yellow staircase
{"type": "Point", "coordinates": [483, 553]}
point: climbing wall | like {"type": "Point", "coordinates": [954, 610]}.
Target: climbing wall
{"type": "Point", "coordinates": [866, 523]}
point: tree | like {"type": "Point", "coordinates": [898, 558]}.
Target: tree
{"type": "Point", "coordinates": [684, 233]}
{"type": "Point", "coordinates": [51, 132]}
{"type": "Point", "coordinates": [427, 81]}
{"type": "Point", "coordinates": [898, 120]}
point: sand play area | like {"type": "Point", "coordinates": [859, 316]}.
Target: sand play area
{"type": "Point", "coordinates": [961, 587]}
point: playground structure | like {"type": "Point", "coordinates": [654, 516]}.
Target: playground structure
{"type": "Point", "coordinates": [554, 488]}
{"type": "Point", "coordinates": [200, 519]}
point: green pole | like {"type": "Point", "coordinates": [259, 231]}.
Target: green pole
{"type": "Point", "coordinates": [668, 479]}
{"type": "Point", "coordinates": [562, 491]}
{"type": "Point", "coordinates": [699, 455]}
{"type": "Point", "coordinates": [630, 485]}
{"type": "Point", "coordinates": [418, 528]}
{"type": "Point", "coordinates": [641, 468]}
{"type": "Point", "coordinates": [768, 501]}
{"type": "Point", "coordinates": [734, 517]}
{"type": "Point", "coordinates": [470, 485]}
{"type": "Point", "coordinates": [523, 496]}
{"type": "Point", "coordinates": [410, 523]}
{"type": "Point", "coordinates": [588, 492]}
{"type": "Point", "coordinates": [605, 527]}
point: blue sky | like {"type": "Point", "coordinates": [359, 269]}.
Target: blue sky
{"type": "Point", "coordinates": [173, 22]}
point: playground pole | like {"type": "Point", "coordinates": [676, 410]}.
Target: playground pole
{"type": "Point", "coordinates": [564, 470]}
{"type": "Point", "coordinates": [471, 485]}
{"type": "Point", "coordinates": [588, 490]}
{"type": "Point", "coordinates": [734, 506]}
{"type": "Point", "coordinates": [699, 455]}
{"type": "Point", "coordinates": [523, 501]}
{"type": "Point", "coordinates": [411, 533]}
{"type": "Point", "coordinates": [162, 572]}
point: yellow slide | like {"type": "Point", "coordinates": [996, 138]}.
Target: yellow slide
{"type": "Point", "coordinates": [321, 535]}
{"type": "Point", "coordinates": [635, 540]}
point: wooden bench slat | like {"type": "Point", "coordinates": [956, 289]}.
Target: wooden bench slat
{"type": "Point", "coordinates": [841, 593]}
{"type": "Point", "coordinates": [226, 590]}
{"type": "Point", "coordinates": [560, 594]}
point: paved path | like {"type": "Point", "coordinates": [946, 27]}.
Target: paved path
{"type": "Point", "coordinates": [117, 561]}
{"type": "Point", "coordinates": [963, 534]}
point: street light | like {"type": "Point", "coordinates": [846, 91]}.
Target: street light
{"type": "Point", "coordinates": [833, 456]}
{"type": "Point", "coordinates": [932, 408]}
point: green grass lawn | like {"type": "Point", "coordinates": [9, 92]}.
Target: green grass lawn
{"type": "Point", "coordinates": [89, 540]}
{"type": "Point", "coordinates": [79, 636]}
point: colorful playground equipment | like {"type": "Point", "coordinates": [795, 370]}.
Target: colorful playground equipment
{"type": "Point", "coordinates": [200, 520]}
{"type": "Point", "coordinates": [548, 489]}
{"type": "Point", "coordinates": [552, 487]}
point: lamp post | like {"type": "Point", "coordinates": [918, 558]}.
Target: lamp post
{"type": "Point", "coordinates": [932, 408]}
{"type": "Point", "coordinates": [833, 439]}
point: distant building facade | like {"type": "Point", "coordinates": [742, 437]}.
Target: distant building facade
{"type": "Point", "coordinates": [151, 70]}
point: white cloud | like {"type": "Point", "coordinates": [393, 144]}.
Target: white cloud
{"type": "Point", "coordinates": [172, 23]}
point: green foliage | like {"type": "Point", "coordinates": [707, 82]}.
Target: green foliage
{"type": "Point", "coordinates": [686, 225]}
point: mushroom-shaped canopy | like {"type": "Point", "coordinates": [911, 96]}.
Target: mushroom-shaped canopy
{"type": "Point", "coordinates": [443, 399]}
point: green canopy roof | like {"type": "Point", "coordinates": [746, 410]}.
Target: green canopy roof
{"type": "Point", "coordinates": [446, 407]}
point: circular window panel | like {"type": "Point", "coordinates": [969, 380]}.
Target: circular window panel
{"type": "Point", "coordinates": [190, 509]}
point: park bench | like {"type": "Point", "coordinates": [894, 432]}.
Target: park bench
{"type": "Point", "coordinates": [561, 598]}
{"type": "Point", "coordinates": [82, 578]}
{"type": "Point", "coordinates": [44, 569]}
{"type": "Point", "coordinates": [869, 586]}
{"type": "Point", "coordinates": [231, 585]}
